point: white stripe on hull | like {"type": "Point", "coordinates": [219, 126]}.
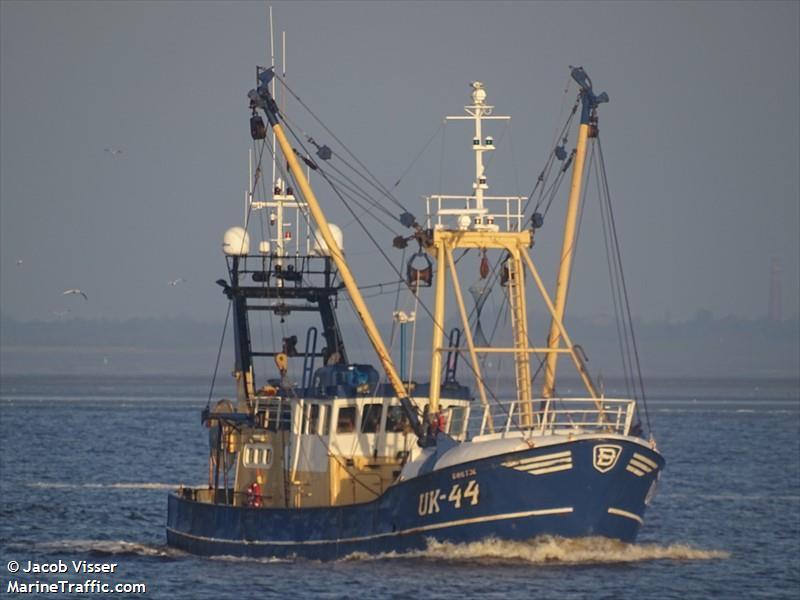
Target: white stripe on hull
{"type": "Point", "coordinates": [518, 515]}
{"type": "Point", "coordinates": [640, 465]}
{"type": "Point", "coordinates": [624, 513]}
{"type": "Point", "coordinates": [541, 465]}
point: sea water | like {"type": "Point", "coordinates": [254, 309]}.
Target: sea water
{"type": "Point", "coordinates": [86, 464]}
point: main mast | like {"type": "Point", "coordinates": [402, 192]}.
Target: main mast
{"type": "Point", "coordinates": [586, 130]}
{"type": "Point", "coordinates": [484, 223]}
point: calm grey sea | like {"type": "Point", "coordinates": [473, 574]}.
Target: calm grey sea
{"type": "Point", "coordinates": [87, 462]}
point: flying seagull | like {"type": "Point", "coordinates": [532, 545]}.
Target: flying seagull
{"type": "Point", "coordinates": [19, 262]}
{"type": "Point", "coordinates": [175, 282]}
{"type": "Point", "coordinates": [113, 151]}
{"type": "Point", "coordinates": [75, 291]}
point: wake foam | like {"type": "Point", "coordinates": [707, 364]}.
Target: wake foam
{"type": "Point", "coordinates": [547, 550]}
{"type": "Point", "coordinates": [267, 560]}
{"type": "Point", "coordinates": [104, 548]}
{"type": "Point", "coordinates": [105, 486]}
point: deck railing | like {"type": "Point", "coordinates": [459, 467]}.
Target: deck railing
{"type": "Point", "coordinates": [503, 213]}
{"type": "Point", "coordinates": [564, 416]}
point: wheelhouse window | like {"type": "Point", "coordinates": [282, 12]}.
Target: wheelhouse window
{"type": "Point", "coordinates": [371, 418]}
{"type": "Point", "coordinates": [327, 415]}
{"type": "Point", "coordinates": [313, 418]}
{"type": "Point", "coordinates": [395, 419]}
{"type": "Point", "coordinates": [346, 420]}
{"type": "Point", "coordinates": [278, 416]}
{"type": "Point", "coordinates": [257, 456]}
{"type": "Point", "coordinates": [456, 418]}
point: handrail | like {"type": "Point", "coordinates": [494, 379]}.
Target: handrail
{"type": "Point", "coordinates": [568, 415]}
{"type": "Point", "coordinates": [508, 210]}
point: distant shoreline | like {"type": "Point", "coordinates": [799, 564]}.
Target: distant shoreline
{"type": "Point", "coordinates": [703, 347]}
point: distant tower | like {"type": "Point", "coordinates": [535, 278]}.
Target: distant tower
{"type": "Point", "coordinates": [775, 290]}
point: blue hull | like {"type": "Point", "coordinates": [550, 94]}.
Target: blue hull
{"type": "Point", "coordinates": [570, 490]}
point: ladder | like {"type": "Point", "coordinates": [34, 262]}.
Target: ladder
{"type": "Point", "coordinates": [519, 325]}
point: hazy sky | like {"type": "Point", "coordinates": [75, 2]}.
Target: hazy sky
{"type": "Point", "coordinates": [700, 138]}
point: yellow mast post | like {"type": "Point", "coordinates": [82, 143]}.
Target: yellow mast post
{"type": "Point", "coordinates": [438, 330]}
{"type": "Point", "coordinates": [589, 103]}
{"type": "Point", "coordinates": [519, 325]}
{"type": "Point", "coordinates": [476, 366]}
{"type": "Point", "coordinates": [565, 265]}
{"type": "Point", "coordinates": [570, 349]}
{"type": "Point", "coordinates": [475, 227]}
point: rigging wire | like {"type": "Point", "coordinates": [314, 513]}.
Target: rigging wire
{"type": "Point", "coordinates": [413, 340]}
{"type": "Point", "coordinates": [396, 300]}
{"type": "Point", "coordinates": [556, 135]}
{"type": "Point", "coordinates": [383, 293]}
{"type": "Point", "coordinates": [552, 191]}
{"type": "Point", "coordinates": [622, 280]}
{"type": "Point", "coordinates": [364, 210]}
{"type": "Point", "coordinates": [349, 185]}
{"type": "Point", "coordinates": [613, 277]}
{"type": "Point", "coordinates": [375, 181]}
{"type": "Point", "coordinates": [382, 284]}
{"type": "Point", "coordinates": [421, 152]}
{"type": "Point", "coordinates": [573, 249]}
{"type": "Point", "coordinates": [219, 355]}
{"type": "Point", "coordinates": [323, 173]}
{"type": "Point", "coordinates": [353, 186]}
{"type": "Point", "coordinates": [545, 173]}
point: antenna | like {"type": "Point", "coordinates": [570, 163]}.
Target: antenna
{"type": "Point", "coordinates": [276, 189]}
{"type": "Point", "coordinates": [272, 64]}
{"type": "Point", "coordinates": [283, 234]}
{"type": "Point", "coordinates": [283, 70]}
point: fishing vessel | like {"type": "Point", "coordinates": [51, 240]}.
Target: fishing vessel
{"type": "Point", "coordinates": [321, 457]}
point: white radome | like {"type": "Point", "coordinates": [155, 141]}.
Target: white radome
{"type": "Point", "coordinates": [236, 242]}
{"type": "Point", "coordinates": [321, 248]}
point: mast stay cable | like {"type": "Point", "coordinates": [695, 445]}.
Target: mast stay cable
{"type": "Point", "coordinates": [624, 288]}
{"type": "Point", "coordinates": [374, 180]}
